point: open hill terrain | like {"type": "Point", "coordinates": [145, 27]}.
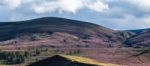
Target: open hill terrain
{"type": "Point", "coordinates": [141, 39]}
{"type": "Point", "coordinates": [51, 31]}
{"type": "Point", "coordinates": [44, 37]}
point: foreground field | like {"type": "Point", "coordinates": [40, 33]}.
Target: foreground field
{"type": "Point", "coordinates": [119, 56]}
{"type": "Point", "coordinates": [69, 60]}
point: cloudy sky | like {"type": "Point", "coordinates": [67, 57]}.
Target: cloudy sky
{"type": "Point", "coordinates": [115, 14]}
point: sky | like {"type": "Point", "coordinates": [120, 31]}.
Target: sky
{"type": "Point", "coordinates": [114, 14]}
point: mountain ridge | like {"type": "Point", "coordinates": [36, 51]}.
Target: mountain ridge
{"type": "Point", "coordinates": [85, 31]}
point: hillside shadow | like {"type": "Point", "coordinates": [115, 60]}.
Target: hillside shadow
{"type": "Point", "coordinates": [58, 61]}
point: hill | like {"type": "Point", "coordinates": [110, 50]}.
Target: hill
{"type": "Point", "coordinates": [66, 36]}
{"type": "Point", "coordinates": [47, 24]}
{"type": "Point", "coordinates": [141, 39]}
{"type": "Point", "coordinates": [59, 30]}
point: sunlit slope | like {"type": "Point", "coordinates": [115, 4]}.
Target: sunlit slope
{"type": "Point", "coordinates": [67, 60]}
{"type": "Point", "coordinates": [87, 60]}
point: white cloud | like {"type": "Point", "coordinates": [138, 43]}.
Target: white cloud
{"type": "Point", "coordinates": [120, 15]}
{"type": "Point", "coordinates": [98, 6]}
{"type": "Point", "coordinates": [57, 5]}
{"type": "Point", "coordinates": [141, 4]}
{"type": "Point", "coordinates": [129, 22]}
{"type": "Point", "coordinates": [46, 6]}
{"type": "Point", "coordinates": [71, 6]}
{"type": "Point", "coordinates": [11, 4]}
{"type": "Point", "coordinates": [147, 20]}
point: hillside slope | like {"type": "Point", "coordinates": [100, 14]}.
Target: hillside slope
{"type": "Point", "coordinates": [47, 24]}
{"type": "Point", "coordinates": [53, 27]}
{"type": "Point", "coordinates": [67, 60]}
{"type": "Point", "coordinates": [141, 39]}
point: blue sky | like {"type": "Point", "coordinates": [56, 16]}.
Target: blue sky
{"type": "Point", "coordinates": [115, 14]}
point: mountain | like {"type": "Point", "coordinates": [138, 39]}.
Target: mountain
{"type": "Point", "coordinates": [141, 39]}
{"type": "Point", "coordinates": [139, 30]}
{"type": "Point", "coordinates": [52, 35]}
{"type": "Point", "coordinates": [67, 60]}
{"type": "Point", "coordinates": [81, 29]}
{"type": "Point", "coordinates": [53, 30]}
